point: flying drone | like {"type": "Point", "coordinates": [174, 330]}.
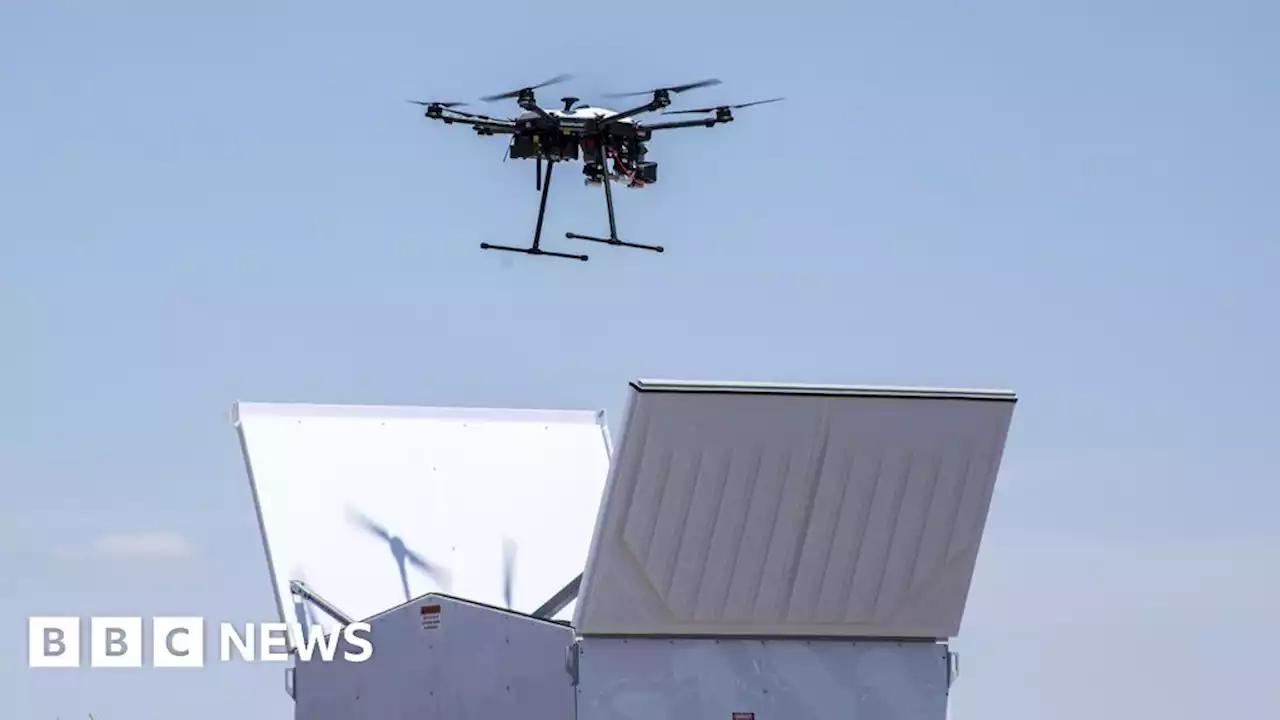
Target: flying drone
{"type": "Point", "coordinates": [597, 134]}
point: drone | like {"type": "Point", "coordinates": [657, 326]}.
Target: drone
{"type": "Point", "coordinates": [610, 144]}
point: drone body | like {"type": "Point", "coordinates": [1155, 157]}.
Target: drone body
{"type": "Point", "coordinates": [566, 134]}
{"type": "Point", "coordinates": [580, 112]}
{"type": "Point", "coordinates": [611, 145]}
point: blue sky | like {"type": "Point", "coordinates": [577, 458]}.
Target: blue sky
{"type": "Point", "coordinates": [205, 202]}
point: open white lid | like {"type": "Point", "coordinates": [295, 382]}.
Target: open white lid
{"type": "Point", "coordinates": [788, 510]}
{"type": "Point", "coordinates": [457, 487]}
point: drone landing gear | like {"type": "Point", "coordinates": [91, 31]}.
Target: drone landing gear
{"type": "Point", "coordinates": [615, 242]}
{"type": "Point", "coordinates": [536, 248]}
{"type": "Point", "coordinates": [613, 225]}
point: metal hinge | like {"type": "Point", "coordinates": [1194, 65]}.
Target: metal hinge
{"type": "Point", "coordinates": [571, 662]}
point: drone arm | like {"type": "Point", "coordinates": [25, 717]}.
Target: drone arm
{"type": "Point", "coordinates": [655, 104]}
{"type": "Point", "coordinates": [483, 126]}
{"type": "Point", "coordinates": [490, 129]}
{"type": "Point", "coordinates": [707, 122]}
{"type": "Point", "coordinates": [533, 108]}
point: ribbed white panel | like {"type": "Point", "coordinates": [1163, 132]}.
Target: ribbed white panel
{"type": "Point", "coordinates": [788, 510]}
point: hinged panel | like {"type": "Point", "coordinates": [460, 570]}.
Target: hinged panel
{"type": "Point", "coordinates": [793, 510]}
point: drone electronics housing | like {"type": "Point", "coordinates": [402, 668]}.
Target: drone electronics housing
{"type": "Point", "coordinates": [758, 551]}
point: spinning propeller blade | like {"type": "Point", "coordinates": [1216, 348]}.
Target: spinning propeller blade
{"type": "Point", "coordinates": [426, 103]}
{"type": "Point", "coordinates": [363, 521]}
{"type": "Point", "coordinates": [402, 553]}
{"type": "Point", "coordinates": [516, 93]}
{"type": "Point", "coordinates": [450, 105]}
{"type": "Point", "coordinates": [673, 89]}
{"type": "Point", "coordinates": [433, 571]}
{"type": "Point", "coordinates": [508, 569]}
{"type": "Point", "coordinates": [721, 107]}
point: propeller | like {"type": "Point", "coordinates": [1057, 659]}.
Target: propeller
{"type": "Point", "coordinates": [508, 569]}
{"type": "Point", "coordinates": [435, 572]}
{"type": "Point", "coordinates": [517, 93]}
{"type": "Point", "coordinates": [363, 521]}
{"type": "Point", "coordinates": [402, 554]}
{"type": "Point", "coordinates": [721, 108]}
{"type": "Point", "coordinates": [672, 89]}
{"type": "Point", "coordinates": [428, 103]}
{"type": "Point", "coordinates": [450, 105]}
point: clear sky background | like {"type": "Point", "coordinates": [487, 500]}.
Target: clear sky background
{"type": "Point", "coordinates": [205, 202]}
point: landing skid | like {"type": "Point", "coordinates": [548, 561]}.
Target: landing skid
{"type": "Point", "coordinates": [613, 225]}
{"type": "Point", "coordinates": [534, 251]}
{"type": "Point", "coordinates": [536, 248]}
{"type": "Point", "coordinates": [615, 242]}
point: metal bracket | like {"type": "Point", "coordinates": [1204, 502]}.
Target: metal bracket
{"type": "Point", "coordinates": [953, 668]}
{"type": "Point", "coordinates": [560, 600]}
{"type": "Point", "coordinates": [304, 591]}
{"type": "Point", "coordinates": [571, 662]}
{"type": "Point", "coordinates": [291, 683]}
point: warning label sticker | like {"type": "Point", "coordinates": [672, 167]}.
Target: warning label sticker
{"type": "Point", "coordinates": [431, 618]}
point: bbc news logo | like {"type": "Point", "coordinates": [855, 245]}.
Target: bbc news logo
{"type": "Point", "coordinates": [180, 642]}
